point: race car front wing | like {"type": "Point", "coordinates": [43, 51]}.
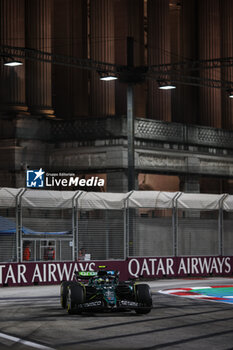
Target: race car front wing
{"type": "Point", "coordinates": [122, 304]}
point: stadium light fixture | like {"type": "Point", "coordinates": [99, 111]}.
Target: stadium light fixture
{"type": "Point", "coordinates": [165, 84]}
{"type": "Point", "coordinates": [167, 87]}
{"type": "Point", "coordinates": [108, 77]}
{"type": "Point", "coordinates": [10, 62]}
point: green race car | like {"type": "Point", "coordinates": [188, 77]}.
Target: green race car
{"type": "Point", "coordinates": [102, 291]}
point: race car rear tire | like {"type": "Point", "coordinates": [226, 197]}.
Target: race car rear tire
{"type": "Point", "coordinates": [64, 291]}
{"type": "Point", "coordinates": [75, 296]}
{"type": "Point", "coordinates": [143, 296]}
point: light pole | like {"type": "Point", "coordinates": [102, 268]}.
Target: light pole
{"type": "Point", "coordinates": [130, 117]}
{"type": "Point", "coordinates": [130, 137]}
{"type": "Point", "coordinates": [129, 75]}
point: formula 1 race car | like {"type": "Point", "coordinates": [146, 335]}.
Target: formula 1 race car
{"type": "Point", "coordinates": [102, 291]}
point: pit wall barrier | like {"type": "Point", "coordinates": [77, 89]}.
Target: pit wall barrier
{"type": "Point", "coordinates": [45, 273]}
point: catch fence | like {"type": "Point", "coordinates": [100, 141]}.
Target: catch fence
{"type": "Point", "coordinates": [75, 226]}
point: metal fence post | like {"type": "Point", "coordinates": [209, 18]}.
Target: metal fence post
{"type": "Point", "coordinates": [126, 226]}
{"type": "Point", "coordinates": [220, 224]}
{"type": "Point", "coordinates": [175, 223]}
{"type": "Point", "coordinates": [75, 225]}
{"type": "Point", "coordinates": [106, 235]}
{"type": "Point", "coordinates": [18, 226]}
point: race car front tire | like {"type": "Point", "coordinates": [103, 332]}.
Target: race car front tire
{"type": "Point", "coordinates": [143, 296]}
{"type": "Point", "coordinates": [75, 296]}
{"type": "Point", "coordinates": [64, 292]}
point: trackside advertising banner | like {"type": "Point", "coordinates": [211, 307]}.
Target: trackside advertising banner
{"type": "Point", "coordinates": [16, 274]}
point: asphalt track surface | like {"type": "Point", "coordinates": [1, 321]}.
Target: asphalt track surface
{"type": "Point", "coordinates": [31, 318]}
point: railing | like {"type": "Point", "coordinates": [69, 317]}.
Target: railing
{"type": "Point", "coordinates": [112, 127]}
{"type": "Point", "coordinates": [148, 129]}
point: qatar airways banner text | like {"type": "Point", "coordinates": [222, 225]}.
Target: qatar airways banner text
{"type": "Point", "coordinates": [16, 274]}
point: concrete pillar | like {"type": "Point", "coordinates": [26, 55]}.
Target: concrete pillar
{"type": "Point", "coordinates": [70, 85]}
{"type": "Point", "coordinates": [227, 51]}
{"type": "Point", "coordinates": [102, 93]}
{"type": "Point", "coordinates": [39, 74]}
{"type": "Point", "coordinates": [12, 79]}
{"type": "Point", "coordinates": [129, 17]}
{"type": "Point", "coordinates": [159, 101]}
{"type": "Point", "coordinates": [209, 48]}
{"type": "Point", "coordinates": [175, 20]}
{"type": "Point", "coordinates": [189, 50]}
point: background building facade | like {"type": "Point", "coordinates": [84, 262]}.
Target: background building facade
{"type": "Point", "coordinates": [63, 118]}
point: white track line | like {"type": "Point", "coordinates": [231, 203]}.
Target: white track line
{"type": "Point", "coordinates": [25, 342]}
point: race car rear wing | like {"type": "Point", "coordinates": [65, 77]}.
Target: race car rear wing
{"type": "Point", "coordinates": [86, 274]}
{"type": "Point", "coordinates": [90, 274]}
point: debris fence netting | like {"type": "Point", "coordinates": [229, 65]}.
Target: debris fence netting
{"type": "Point", "coordinates": [40, 225]}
